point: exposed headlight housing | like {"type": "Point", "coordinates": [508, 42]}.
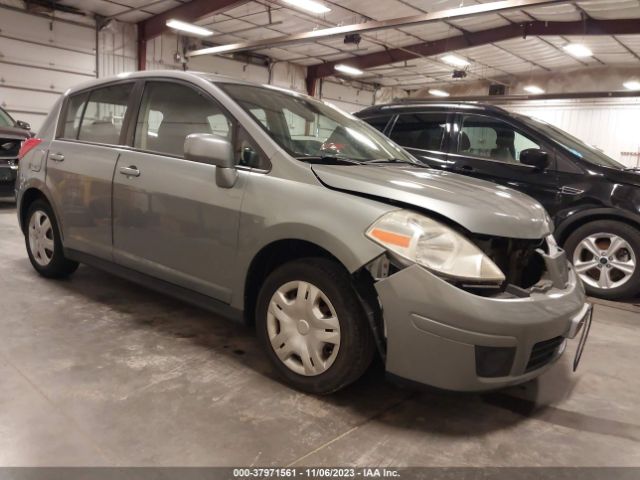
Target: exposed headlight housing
{"type": "Point", "coordinates": [435, 246]}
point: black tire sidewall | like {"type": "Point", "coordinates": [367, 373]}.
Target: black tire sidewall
{"type": "Point", "coordinates": [630, 234]}
{"type": "Point", "coordinates": [59, 266]}
{"type": "Point", "coordinates": [356, 342]}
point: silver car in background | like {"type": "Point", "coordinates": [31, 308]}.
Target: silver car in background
{"type": "Point", "coordinates": [271, 207]}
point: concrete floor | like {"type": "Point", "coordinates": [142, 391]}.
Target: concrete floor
{"type": "Point", "coordinates": [97, 371]}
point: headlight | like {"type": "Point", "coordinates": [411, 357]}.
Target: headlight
{"type": "Point", "coordinates": [433, 245]}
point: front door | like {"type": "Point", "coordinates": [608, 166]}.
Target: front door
{"type": "Point", "coordinates": [171, 219]}
{"type": "Point", "coordinates": [80, 165]}
{"type": "Point", "coordinates": [489, 148]}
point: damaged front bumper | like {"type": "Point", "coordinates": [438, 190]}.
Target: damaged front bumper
{"type": "Point", "coordinates": [441, 335]}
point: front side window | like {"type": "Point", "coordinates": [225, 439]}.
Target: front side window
{"type": "Point", "coordinates": [309, 129]}
{"type": "Point", "coordinates": [423, 131]}
{"type": "Point", "coordinates": [171, 111]}
{"type": "Point", "coordinates": [492, 139]}
{"type": "Point", "coordinates": [379, 122]}
{"type": "Point", "coordinates": [103, 115]}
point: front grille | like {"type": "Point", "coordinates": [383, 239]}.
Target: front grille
{"type": "Point", "coordinates": [543, 352]}
{"type": "Point", "coordinates": [9, 147]}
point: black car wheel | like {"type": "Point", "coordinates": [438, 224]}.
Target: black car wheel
{"type": "Point", "coordinates": [313, 327]}
{"type": "Point", "coordinates": [605, 254]}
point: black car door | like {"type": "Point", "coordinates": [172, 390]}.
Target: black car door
{"type": "Point", "coordinates": [424, 135]}
{"type": "Point", "coordinates": [489, 148]}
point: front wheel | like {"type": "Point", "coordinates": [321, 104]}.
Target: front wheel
{"type": "Point", "coordinates": [44, 245]}
{"type": "Point", "coordinates": [605, 254]}
{"type": "Point", "coordinates": [313, 327]}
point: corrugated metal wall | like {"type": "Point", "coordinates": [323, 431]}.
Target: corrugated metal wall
{"type": "Point", "coordinates": [609, 124]}
{"type": "Point", "coordinates": [39, 59]}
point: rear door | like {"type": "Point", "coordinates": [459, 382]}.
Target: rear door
{"type": "Point", "coordinates": [424, 135]}
{"type": "Point", "coordinates": [80, 165]}
{"type": "Point", "coordinates": [489, 148]}
{"type": "Point", "coordinates": [171, 219]}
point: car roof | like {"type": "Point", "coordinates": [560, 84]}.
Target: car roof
{"type": "Point", "coordinates": [175, 74]}
{"type": "Point", "coordinates": [425, 104]}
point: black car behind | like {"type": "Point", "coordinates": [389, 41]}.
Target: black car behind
{"type": "Point", "coordinates": [12, 134]}
{"type": "Point", "coordinates": [594, 200]}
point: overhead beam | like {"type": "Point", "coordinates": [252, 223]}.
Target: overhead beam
{"type": "Point", "coordinates": [483, 37]}
{"type": "Point", "coordinates": [187, 12]}
{"type": "Point", "coordinates": [324, 33]}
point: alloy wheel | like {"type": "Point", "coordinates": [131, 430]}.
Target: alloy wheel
{"type": "Point", "coordinates": [303, 328]}
{"type": "Point", "coordinates": [41, 240]}
{"type": "Point", "coordinates": [604, 261]}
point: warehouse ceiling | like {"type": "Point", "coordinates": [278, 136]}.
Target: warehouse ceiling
{"type": "Point", "coordinates": [514, 57]}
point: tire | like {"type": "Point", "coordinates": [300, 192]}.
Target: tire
{"type": "Point", "coordinates": [43, 242]}
{"type": "Point", "coordinates": [328, 320]}
{"type": "Point", "coordinates": [609, 248]}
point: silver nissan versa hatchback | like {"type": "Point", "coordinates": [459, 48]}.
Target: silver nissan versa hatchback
{"type": "Point", "coordinates": [271, 207]}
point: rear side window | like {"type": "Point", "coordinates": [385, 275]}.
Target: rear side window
{"type": "Point", "coordinates": [104, 114]}
{"type": "Point", "coordinates": [172, 111]}
{"type": "Point", "coordinates": [75, 109]}
{"type": "Point", "coordinates": [423, 131]}
{"type": "Point", "coordinates": [378, 122]}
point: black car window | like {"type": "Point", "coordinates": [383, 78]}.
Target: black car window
{"type": "Point", "coordinates": [75, 109]}
{"type": "Point", "coordinates": [493, 139]}
{"type": "Point", "coordinates": [104, 114]}
{"type": "Point", "coordinates": [379, 122]}
{"type": "Point", "coordinates": [424, 131]}
{"type": "Point", "coordinates": [171, 111]}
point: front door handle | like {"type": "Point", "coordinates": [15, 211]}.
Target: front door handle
{"type": "Point", "coordinates": [131, 171]}
{"type": "Point", "coordinates": [466, 168]}
{"type": "Point", "coordinates": [56, 157]}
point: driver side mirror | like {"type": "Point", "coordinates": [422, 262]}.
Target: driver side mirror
{"type": "Point", "coordinates": [534, 157]}
{"type": "Point", "coordinates": [213, 150]}
{"type": "Point", "coordinates": [23, 125]}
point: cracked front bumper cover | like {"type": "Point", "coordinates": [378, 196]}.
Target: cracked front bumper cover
{"type": "Point", "coordinates": [433, 328]}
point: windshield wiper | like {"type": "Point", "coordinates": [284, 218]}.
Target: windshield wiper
{"type": "Point", "coordinates": [329, 160]}
{"type": "Point", "coordinates": [396, 160]}
{"type": "Point", "coordinates": [632, 169]}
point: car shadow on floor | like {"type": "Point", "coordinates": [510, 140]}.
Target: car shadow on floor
{"type": "Point", "coordinates": [448, 413]}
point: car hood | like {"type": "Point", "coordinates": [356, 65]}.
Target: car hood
{"type": "Point", "coordinates": [626, 177]}
{"type": "Point", "coordinates": [480, 207]}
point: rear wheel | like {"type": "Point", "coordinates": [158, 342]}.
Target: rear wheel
{"type": "Point", "coordinates": [605, 254]}
{"type": "Point", "coordinates": [44, 245]}
{"type": "Point", "coordinates": [312, 326]}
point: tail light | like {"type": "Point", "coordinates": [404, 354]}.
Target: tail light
{"type": "Point", "coordinates": [28, 145]}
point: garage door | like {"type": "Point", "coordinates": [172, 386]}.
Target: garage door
{"type": "Point", "coordinates": [39, 60]}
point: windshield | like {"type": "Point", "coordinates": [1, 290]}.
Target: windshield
{"type": "Point", "coordinates": [571, 143]}
{"type": "Point", "coordinates": [309, 129]}
{"type": "Point", "coordinates": [5, 119]}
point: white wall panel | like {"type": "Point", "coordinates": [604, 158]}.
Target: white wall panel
{"type": "Point", "coordinates": [347, 97]}
{"type": "Point", "coordinates": [41, 58]}
{"type": "Point", "coordinates": [609, 124]}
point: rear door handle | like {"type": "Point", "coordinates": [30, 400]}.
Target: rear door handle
{"type": "Point", "coordinates": [56, 157]}
{"type": "Point", "coordinates": [130, 171]}
{"type": "Point", "coordinates": [466, 168]}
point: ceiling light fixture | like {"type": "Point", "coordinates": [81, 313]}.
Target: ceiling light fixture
{"type": "Point", "coordinates": [438, 93]}
{"type": "Point", "coordinates": [533, 89]}
{"type": "Point", "coordinates": [455, 61]}
{"type": "Point", "coordinates": [348, 70]}
{"type": "Point", "coordinates": [308, 5]}
{"type": "Point", "coordinates": [632, 85]}
{"type": "Point", "coordinates": [188, 27]}
{"type": "Point", "coordinates": [578, 50]}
